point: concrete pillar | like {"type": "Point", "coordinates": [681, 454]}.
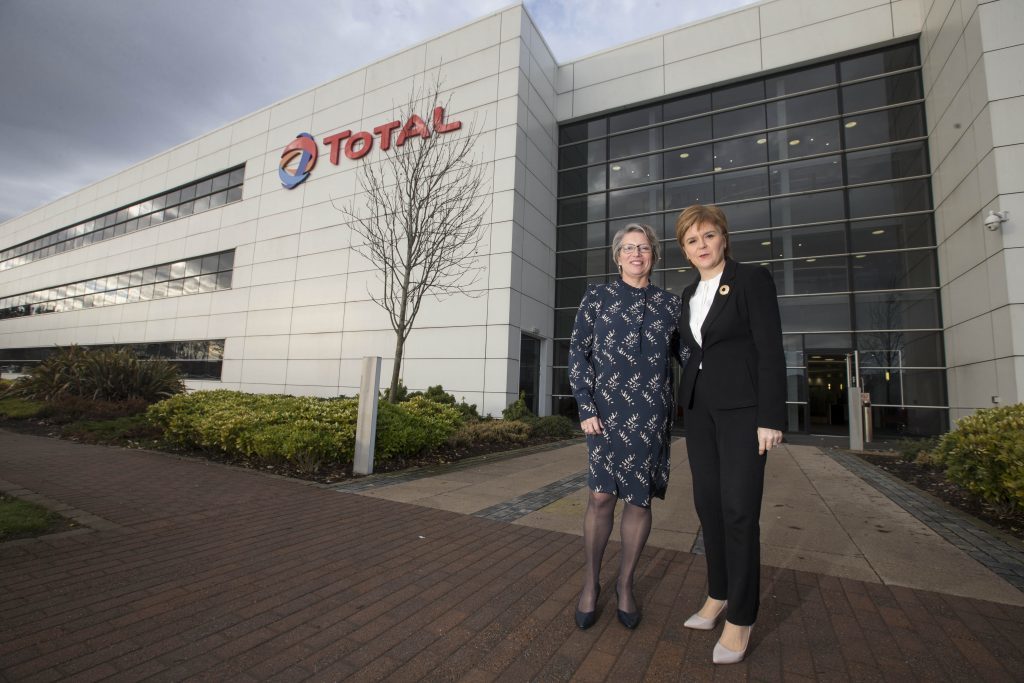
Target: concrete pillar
{"type": "Point", "coordinates": [366, 425]}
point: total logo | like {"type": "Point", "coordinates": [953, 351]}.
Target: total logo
{"type": "Point", "coordinates": [299, 156]}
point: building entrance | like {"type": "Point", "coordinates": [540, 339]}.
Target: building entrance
{"type": "Point", "coordinates": [826, 393]}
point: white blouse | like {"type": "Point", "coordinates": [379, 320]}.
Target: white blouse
{"type": "Point", "coordinates": [700, 304]}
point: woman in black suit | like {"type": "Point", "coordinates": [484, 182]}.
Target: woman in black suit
{"type": "Point", "coordinates": [734, 393]}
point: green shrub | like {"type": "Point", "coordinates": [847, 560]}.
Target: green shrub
{"type": "Point", "coordinates": [302, 430]}
{"type": "Point", "coordinates": [67, 408]}
{"type": "Point", "coordinates": [415, 426]}
{"type": "Point", "coordinates": [402, 393]}
{"type": "Point", "coordinates": [13, 408]}
{"type": "Point", "coordinates": [917, 450]}
{"type": "Point", "coordinates": [491, 432]}
{"type": "Point", "coordinates": [985, 455]}
{"type": "Point", "coordinates": [99, 374]}
{"type": "Point", "coordinates": [518, 410]}
{"type": "Point", "coordinates": [553, 427]}
{"type": "Point", "coordinates": [439, 395]}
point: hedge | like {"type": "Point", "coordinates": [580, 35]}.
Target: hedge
{"type": "Point", "coordinates": [985, 455]}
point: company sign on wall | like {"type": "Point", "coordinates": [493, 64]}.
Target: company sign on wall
{"type": "Point", "coordinates": [299, 156]}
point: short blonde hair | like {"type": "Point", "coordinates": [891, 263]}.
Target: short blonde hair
{"type": "Point", "coordinates": [648, 232]}
{"type": "Point", "coordinates": [702, 213]}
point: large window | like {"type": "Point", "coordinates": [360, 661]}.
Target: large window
{"type": "Point", "coordinates": [823, 173]}
{"type": "Point", "coordinates": [198, 359]}
{"type": "Point", "coordinates": [208, 193]}
{"type": "Point", "coordinates": [195, 275]}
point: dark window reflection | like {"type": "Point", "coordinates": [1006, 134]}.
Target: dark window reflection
{"type": "Point", "coordinates": [688, 161]}
{"type": "Point", "coordinates": [895, 270]}
{"type": "Point", "coordinates": [813, 313]}
{"type": "Point", "coordinates": [882, 91]}
{"type": "Point", "coordinates": [900, 232]}
{"type": "Point", "coordinates": [743, 184]}
{"type": "Point", "coordinates": [808, 107]}
{"type": "Point", "coordinates": [815, 138]}
{"type": "Point", "coordinates": [813, 275]}
{"type": "Point", "coordinates": [883, 61]}
{"type": "Point", "coordinates": [890, 125]}
{"type": "Point", "coordinates": [798, 81]}
{"type": "Point", "coordinates": [750, 247]}
{"type": "Point", "coordinates": [687, 106]}
{"type": "Point", "coordinates": [748, 215]}
{"type": "Point", "coordinates": [738, 121]}
{"type": "Point", "coordinates": [901, 197]}
{"type": "Point", "coordinates": [680, 194]}
{"type": "Point", "coordinates": [740, 152]}
{"type": "Point", "coordinates": [629, 144]}
{"type": "Point", "coordinates": [634, 171]}
{"type": "Point", "coordinates": [688, 132]}
{"type": "Point", "coordinates": [634, 119]}
{"type": "Point", "coordinates": [734, 95]}
{"type": "Point", "coordinates": [634, 201]}
{"type": "Point", "coordinates": [898, 310]}
{"type": "Point", "coordinates": [811, 208]}
{"type": "Point", "coordinates": [883, 163]}
{"type": "Point", "coordinates": [812, 240]}
{"type": "Point", "coordinates": [805, 175]}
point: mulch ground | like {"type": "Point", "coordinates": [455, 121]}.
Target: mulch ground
{"type": "Point", "coordinates": [933, 480]}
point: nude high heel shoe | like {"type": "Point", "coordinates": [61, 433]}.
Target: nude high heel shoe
{"type": "Point", "coordinates": [702, 624]}
{"type": "Point", "coordinates": [723, 655]}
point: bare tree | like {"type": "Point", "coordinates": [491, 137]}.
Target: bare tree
{"type": "Point", "coordinates": [422, 224]}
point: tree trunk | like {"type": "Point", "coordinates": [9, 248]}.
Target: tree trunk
{"type": "Point", "coordinates": [396, 371]}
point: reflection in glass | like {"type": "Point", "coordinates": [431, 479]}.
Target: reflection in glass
{"type": "Point", "coordinates": [688, 161]}
{"type": "Point", "coordinates": [815, 313]}
{"type": "Point", "coordinates": [813, 240]}
{"type": "Point", "coordinates": [883, 163]}
{"type": "Point", "coordinates": [898, 310]}
{"type": "Point", "coordinates": [802, 141]}
{"type": "Point", "coordinates": [811, 208]}
{"type": "Point", "coordinates": [884, 126]}
{"type": "Point", "coordinates": [743, 184]}
{"type": "Point", "coordinates": [815, 275]}
{"type": "Point", "coordinates": [740, 152]}
{"type": "Point", "coordinates": [634, 201]}
{"type": "Point", "coordinates": [688, 132]}
{"type": "Point", "coordinates": [898, 232]}
{"type": "Point", "coordinates": [882, 91]}
{"type": "Point", "coordinates": [809, 107]}
{"type": "Point", "coordinates": [807, 174]}
{"type": "Point", "coordinates": [629, 144]}
{"type": "Point", "coordinates": [738, 121]}
{"type": "Point", "coordinates": [634, 171]}
{"type": "Point", "coordinates": [680, 194]}
{"type": "Point", "coordinates": [901, 197]}
{"type": "Point", "coordinates": [895, 270]}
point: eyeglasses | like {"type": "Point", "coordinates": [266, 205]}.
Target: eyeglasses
{"type": "Point", "coordinates": [633, 248]}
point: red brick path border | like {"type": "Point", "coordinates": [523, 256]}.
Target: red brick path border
{"type": "Point", "coordinates": [219, 573]}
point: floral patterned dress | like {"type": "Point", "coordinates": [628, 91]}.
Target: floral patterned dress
{"type": "Point", "coordinates": [620, 369]}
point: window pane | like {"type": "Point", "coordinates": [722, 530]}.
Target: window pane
{"type": "Point", "coordinates": [203, 187]}
{"type": "Point", "coordinates": [209, 264]}
{"type": "Point", "coordinates": [895, 270]}
{"type": "Point", "coordinates": [680, 194]}
{"type": "Point", "coordinates": [634, 201]}
{"type": "Point", "coordinates": [893, 59]}
{"type": "Point", "coordinates": [687, 106]}
{"type": "Point", "coordinates": [653, 220]}
{"type": "Point", "coordinates": [217, 200]}
{"type": "Point", "coordinates": [739, 121]}
{"type": "Point", "coordinates": [814, 240]}
{"type": "Point", "coordinates": [750, 247]}
{"type": "Point", "coordinates": [892, 233]}
{"type": "Point", "coordinates": [688, 161]}
{"type": "Point", "coordinates": [898, 310]}
{"type": "Point", "coordinates": [740, 152]}
{"type": "Point", "coordinates": [816, 138]}
{"type": "Point", "coordinates": [810, 174]}
{"type": "Point", "coordinates": [688, 132]}
{"type": "Point", "coordinates": [572, 182]}
{"type": "Point", "coordinates": [178, 269]}
{"type": "Point", "coordinates": [884, 163]}
{"type": "Point", "coordinates": [881, 92]}
{"type": "Point", "coordinates": [812, 208]}
{"type": "Point", "coordinates": [237, 177]}
{"type": "Point", "coordinates": [748, 215]}
{"type": "Point", "coordinates": [884, 126]}
{"type": "Point", "coordinates": [634, 171]}
{"type": "Point", "coordinates": [901, 349]}
{"type": "Point", "coordinates": [634, 119]}
{"type": "Point", "coordinates": [811, 276]}
{"type": "Point", "coordinates": [220, 182]}
{"type": "Point", "coordinates": [224, 280]}
{"type": "Point", "coordinates": [797, 81]}
{"type": "Point", "coordinates": [569, 293]}
{"type": "Point", "coordinates": [581, 209]}
{"type": "Point", "coordinates": [629, 144]}
{"type": "Point", "coordinates": [817, 105]}
{"type": "Point", "coordinates": [733, 95]}
{"type": "Point", "coordinates": [227, 260]}
{"type": "Point", "coordinates": [743, 184]}
{"type": "Point", "coordinates": [815, 313]}
{"type": "Point", "coordinates": [901, 197]}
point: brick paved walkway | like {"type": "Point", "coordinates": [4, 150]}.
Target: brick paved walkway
{"type": "Point", "coordinates": [206, 571]}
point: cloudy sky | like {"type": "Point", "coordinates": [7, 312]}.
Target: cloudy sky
{"type": "Point", "coordinates": [90, 87]}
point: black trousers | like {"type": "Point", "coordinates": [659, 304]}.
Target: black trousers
{"type": "Point", "coordinates": [728, 480]}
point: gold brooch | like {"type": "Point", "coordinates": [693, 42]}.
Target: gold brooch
{"type": "Point", "coordinates": [723, 290]}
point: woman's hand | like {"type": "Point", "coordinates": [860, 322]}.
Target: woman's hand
{"type": "Point", "coordinates": [766, 438]}
{"type": "Point", "coordinates": [593, 425]}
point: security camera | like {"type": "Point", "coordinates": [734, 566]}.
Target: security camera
{"type": "Point", "coordinates": [994, 219]}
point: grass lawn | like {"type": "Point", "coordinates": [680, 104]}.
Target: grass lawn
{"type": "Point", "coordinates": [20, 519]}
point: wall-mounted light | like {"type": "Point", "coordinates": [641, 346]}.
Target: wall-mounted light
{"type": "Point", "coordinates": [994, 219]}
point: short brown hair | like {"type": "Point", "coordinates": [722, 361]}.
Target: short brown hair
{"type": "Point", "coordinates": [702, 213]}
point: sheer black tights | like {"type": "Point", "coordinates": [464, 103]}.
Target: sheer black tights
{"type": "Point", "coordinates": [634, 528]}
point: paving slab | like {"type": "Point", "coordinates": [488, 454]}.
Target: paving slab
{"type": "Point", "coordinates": [218, 573]}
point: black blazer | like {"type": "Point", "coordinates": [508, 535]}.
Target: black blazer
{"type": "Point", "coordinates": [744, 364]}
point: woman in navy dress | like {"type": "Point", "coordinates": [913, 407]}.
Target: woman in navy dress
{"type": "Point", "coordinates": [620, 370]}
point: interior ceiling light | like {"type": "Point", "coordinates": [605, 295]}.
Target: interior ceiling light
{"type": "Point", "coordinates": [616, 167]}
{"type": "Point", "coordinates": [850, 124]}
{"type": "Point", "coordinates": [718, 168]}
{"type": "Point", "coordinates": [794, 142]}
{"type": "Point", "coordinates": [861, 256]}
{"type": "Point", "coordinates": [765, 243]}
{"type": "Point", "coordinates": [811, 260]}
{"type": "Point", "coordinates": [684, 155]}
{"type": "Point", "coordinates": [877, 232]}
{"type": "Point", "coordinates": [761, 141]}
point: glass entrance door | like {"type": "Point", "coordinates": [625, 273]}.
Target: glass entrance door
{"type": "Point", "coordinates": [826, 394]}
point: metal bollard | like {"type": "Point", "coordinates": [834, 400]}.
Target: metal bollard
{"type": "Point", "coordinates": [366, 424]}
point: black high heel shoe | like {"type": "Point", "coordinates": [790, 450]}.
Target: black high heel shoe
{"type": "Point", "coordinates": [628, 619]}
{"type": "Point", "coordinates": [587, 619]}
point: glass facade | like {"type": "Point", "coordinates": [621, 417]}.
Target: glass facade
{"type": "Point", "coordinates": [195, 275]}
{"type": "Point", "coordinates": [199, 359]}
{"type": "Point", "coordinates": [823, 173]}
{"type": "Point", "coordinates": [208, 193]}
